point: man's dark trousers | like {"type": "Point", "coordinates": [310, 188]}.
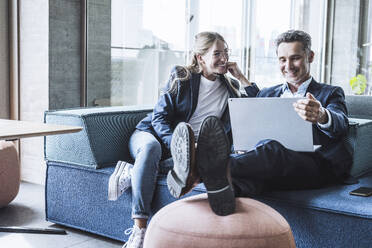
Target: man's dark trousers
{"type": "Point", "coordinates": [272, 166]}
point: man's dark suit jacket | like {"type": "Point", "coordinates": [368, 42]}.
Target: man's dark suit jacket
{"type": "Point", "coordinates": [332, 98]}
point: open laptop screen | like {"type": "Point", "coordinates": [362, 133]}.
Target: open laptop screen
{"type": "Point", "coordinates": [256, 119]}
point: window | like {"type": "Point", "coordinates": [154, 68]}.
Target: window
{"type": "Point", "coordinates": [286, 14]}
{"type": "Point", "coordinates": [361, 83]}
{"type": "Point", "coordinates": [263, 62]}
{"type": "Point", "coordinates": [146, 41]}
{"type": "Point", "coordinates": [219, 16]}
{"type": "Point", "coordinates": [349, 55]}
{"type": "Point", "coordinates": [148, 37]}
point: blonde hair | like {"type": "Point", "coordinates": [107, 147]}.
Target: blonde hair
{"type": "Point", "coordinates": [203, 42]}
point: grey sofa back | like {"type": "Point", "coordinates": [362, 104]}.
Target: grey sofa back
{"type": "Point", "coordinates": [103, 140]}
{"type": "Point", "coordinates": [359, 106]}
{"type": "Point", "coordinates": [106, 131]}
{"type": "Point", "coordinates": [359, 139]}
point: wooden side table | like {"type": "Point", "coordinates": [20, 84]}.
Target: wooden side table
{"type": "Point", "coordinates": [13, 130]}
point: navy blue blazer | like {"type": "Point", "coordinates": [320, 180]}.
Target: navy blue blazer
{"type": "Point", "coordinates": [173, 108]}
{"type": "Point", "coordinates": [332, 98]}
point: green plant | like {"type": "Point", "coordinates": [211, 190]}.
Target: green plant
{"type": "Point", "coordinates": [358, 84]}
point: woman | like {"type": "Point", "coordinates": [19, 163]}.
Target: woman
{"type": "Point", "coordinates": [193, 92]}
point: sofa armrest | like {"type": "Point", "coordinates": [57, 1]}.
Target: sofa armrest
{"type": "Point", "coordinates": [103, 140]}
{"type": "Point", "coordinates": [359, 143]}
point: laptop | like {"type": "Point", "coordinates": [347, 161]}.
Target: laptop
{"type": "Point", "coordinates": [256, 119]}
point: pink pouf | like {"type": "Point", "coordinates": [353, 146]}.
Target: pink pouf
{"type": "Point", "coordinates": [9, 172]}
{"type": "Point", "coordinates": [190, 223]}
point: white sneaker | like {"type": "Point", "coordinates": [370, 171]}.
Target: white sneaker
{"type": "Point", "coordinates": [136, 238]}
{"type": "Point", "coordinates": [120, 180]}
{"type": "Point", "coordinates": [125, 181]}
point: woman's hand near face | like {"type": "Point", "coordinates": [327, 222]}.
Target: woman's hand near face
{"type": "Point", "coordinates": [233, 68]}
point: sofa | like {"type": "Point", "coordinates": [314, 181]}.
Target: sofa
{"type": "Point", "coordinates": [79, 166]}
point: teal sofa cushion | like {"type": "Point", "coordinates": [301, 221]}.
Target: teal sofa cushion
{"type": "Point", "coordinates": [359, 143]}
{"type": "Point", "coordinates": [103, 140]}
{"type": "Point", "coordinates": [359, 140]}
{"type": "Point", "coordinates": [106, 131]}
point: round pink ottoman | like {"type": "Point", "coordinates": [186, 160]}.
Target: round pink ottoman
{"type": "Point", "coordinates": [190, 223]}
{"type": "Point", "coordinates": [9, 172]}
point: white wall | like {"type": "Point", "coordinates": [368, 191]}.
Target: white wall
{"type": "Point", "coordinates": [4, 60]}
{"type": "Point", "coordinates": [33, 83]}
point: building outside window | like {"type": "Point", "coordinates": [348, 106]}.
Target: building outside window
{"type": "Point", "coordinates": [148, 38]}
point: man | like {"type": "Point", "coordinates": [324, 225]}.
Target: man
{"type": "Point", "coordinates": [270, 165]}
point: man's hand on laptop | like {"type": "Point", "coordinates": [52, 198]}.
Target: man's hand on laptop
{"type": "Point", "coordinates": [311, 110]}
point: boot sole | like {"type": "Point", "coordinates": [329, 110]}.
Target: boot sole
{"type": "Point", "coordinates": [212, 158]}
{"type": "Point", "coordinates": [183, 154]}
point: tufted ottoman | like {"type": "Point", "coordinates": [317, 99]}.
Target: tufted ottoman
{"type": "Point", "coordinates": [9, 172]}
{"type": "Point", "coordinates": [190, 223]}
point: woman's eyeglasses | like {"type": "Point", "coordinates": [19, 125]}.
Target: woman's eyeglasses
{"type": "Point", "coordinates": [218, 54]}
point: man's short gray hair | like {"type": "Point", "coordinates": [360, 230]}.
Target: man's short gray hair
{"type": "Point", "coordinates": [295, 35]}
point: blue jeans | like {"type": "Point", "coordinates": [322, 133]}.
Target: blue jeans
{"type": "Point", "coordinates": [146, 150]}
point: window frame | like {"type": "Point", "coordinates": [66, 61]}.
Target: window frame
{"type": "Point", "coordinates": [246, 54]}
